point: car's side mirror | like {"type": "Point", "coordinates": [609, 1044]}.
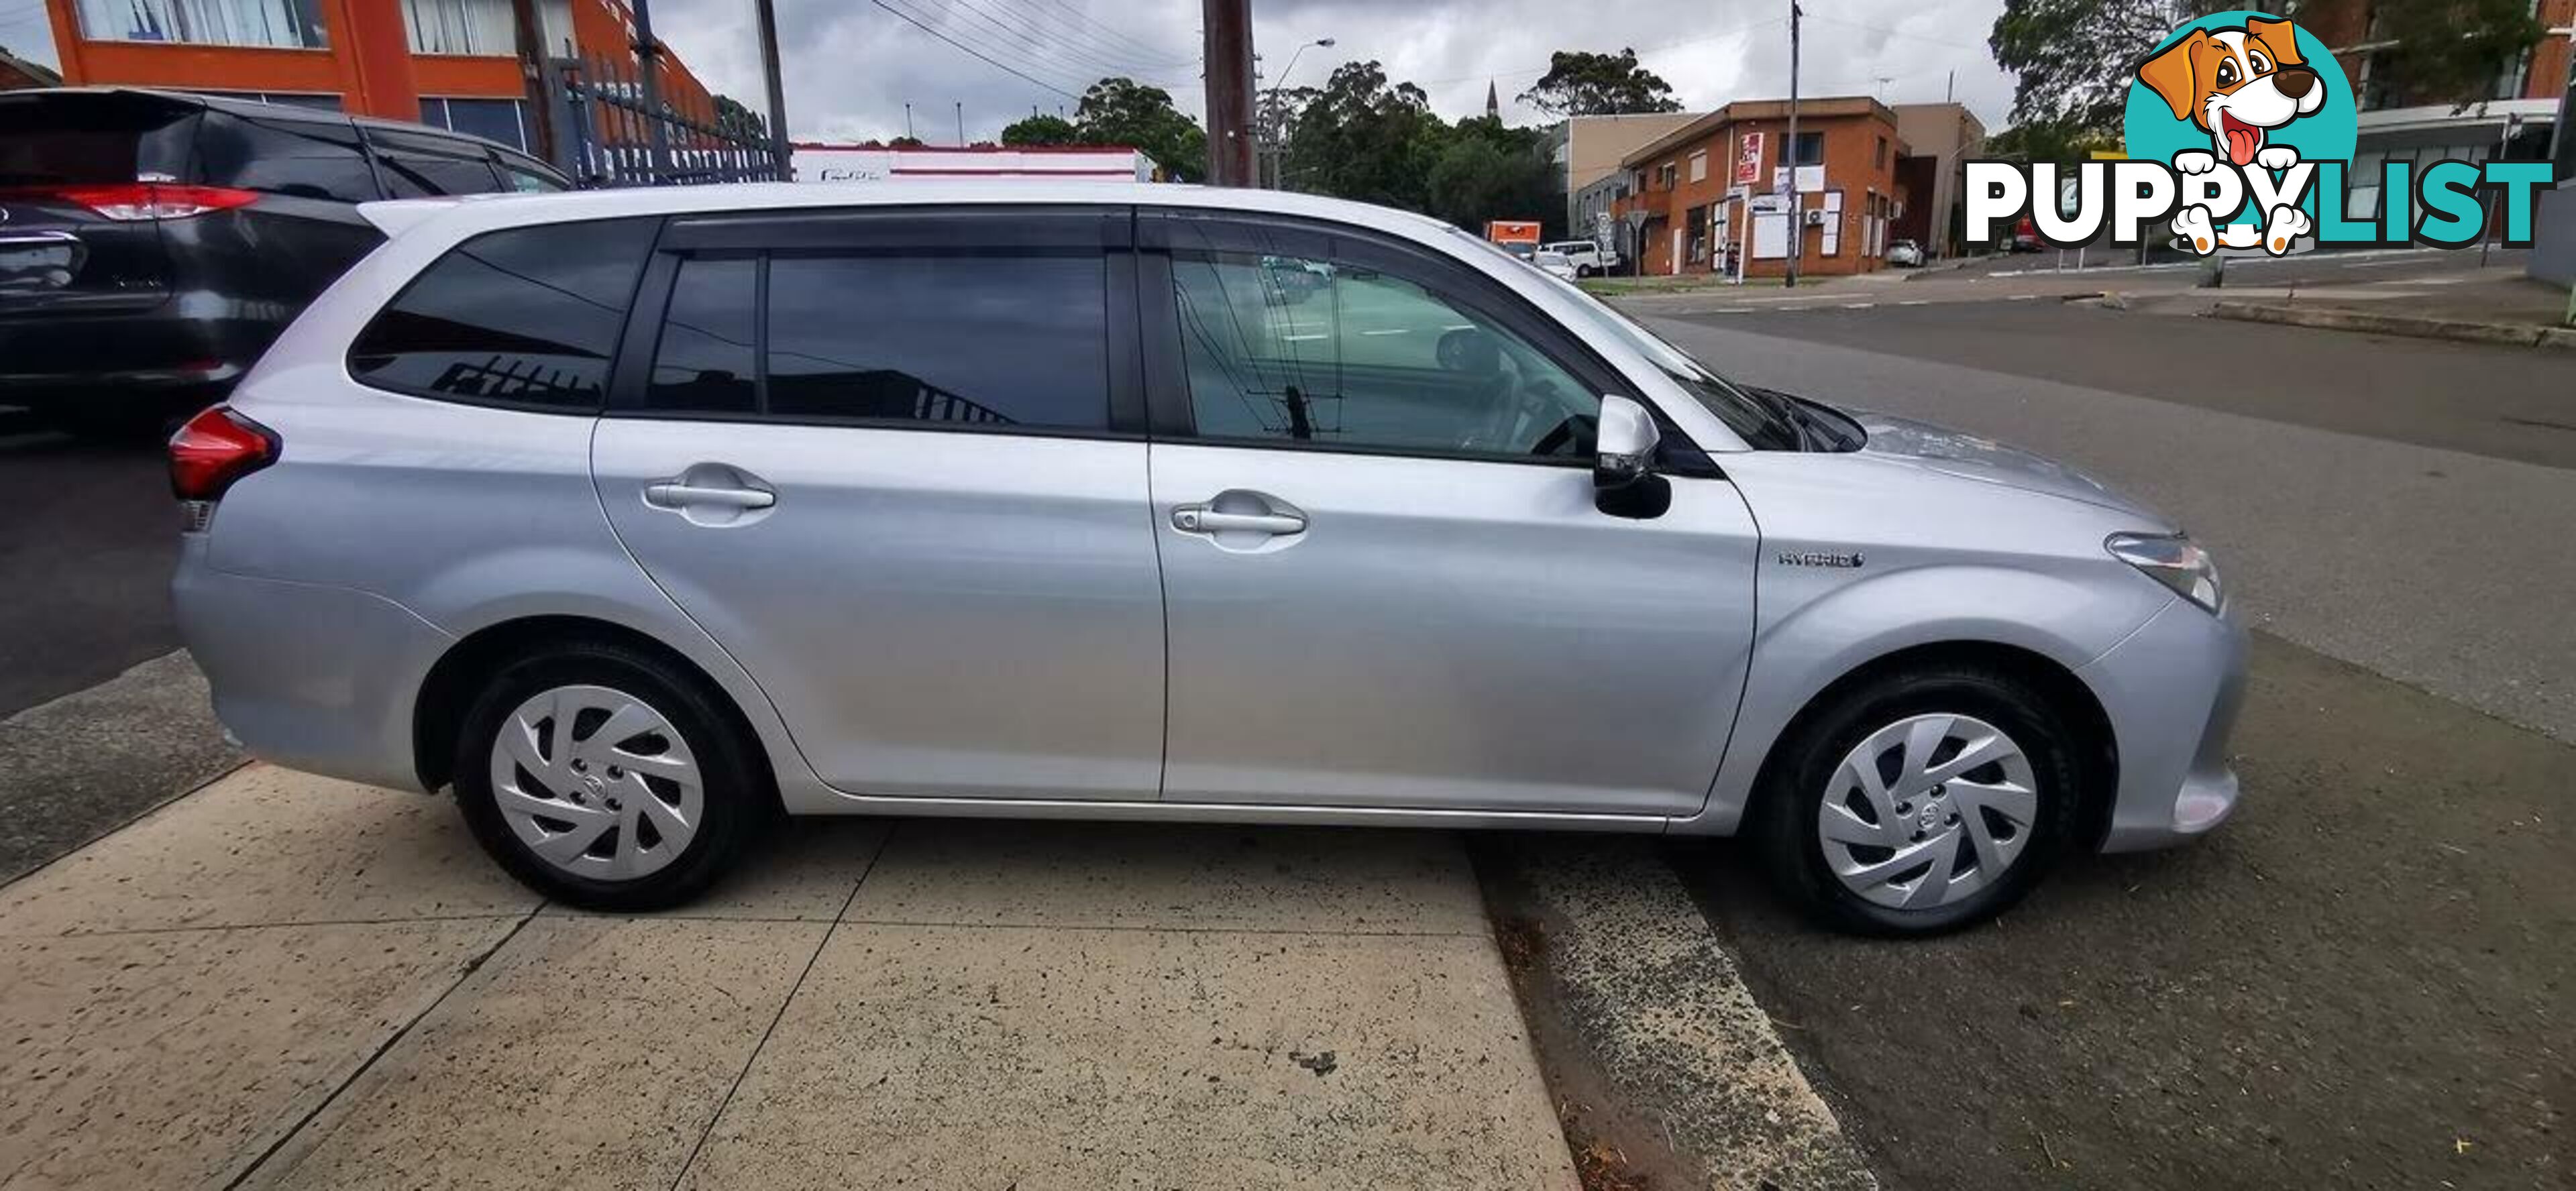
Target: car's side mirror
{"type": "Point", "coordinates": [1624, 483]}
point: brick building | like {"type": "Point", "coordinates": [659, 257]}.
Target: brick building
{"type": "Point", "coordinates": [451, 63]}
{"type": "Point", "coordinates": [2512, 118]}
{"type": "Point", "coordinates": [17, 73]}
{"type": "Point", "coordinates": [1685, 211]}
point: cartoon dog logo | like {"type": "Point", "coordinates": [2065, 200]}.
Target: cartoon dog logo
{"type": "Point", "coordinates": [2237, 85]}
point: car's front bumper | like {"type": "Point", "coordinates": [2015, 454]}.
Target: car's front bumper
{"type": "Point", "coordinates": [2171, 691]}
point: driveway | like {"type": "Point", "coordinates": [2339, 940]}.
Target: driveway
{"type": "Point", "coordinates": [284, 981]}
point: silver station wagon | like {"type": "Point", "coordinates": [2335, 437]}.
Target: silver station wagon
{"type": "Point", "coordinates": [639, 518]}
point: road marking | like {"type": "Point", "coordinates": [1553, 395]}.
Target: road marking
{"type": "Point", "coordinates": [1858, 305]}
{"type": "Point", "coordinates": [1386, 331]}
{"type": "Point", "coordinates": [1304, 338]}
{"type": "Point", "coordinates": [2022, 298]}
{"type": "Point", "coordinates": [1916, 302]}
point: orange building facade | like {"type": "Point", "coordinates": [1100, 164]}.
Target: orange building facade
{"type": "Point", "coordinates": [1692, 215]}
{"type": "Point", "coordinates": [450, 63]}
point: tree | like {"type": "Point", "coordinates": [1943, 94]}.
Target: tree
{"type": "Point", "coordinates": [904, 142]}
{"type": "Point", "coordinates": [2451, 50]}
{"type": "Point", "coordinates": [1042, 130]}
{"type": "Point", "coordinates": [1362, 138]}
{"type": "Point", "coordinates": [2072, 60]}
{"type": "Point", "coordinates": [1586, 84]}
{"type": "Point", "coordinates": [1122, 111]}
{"type": "Point", "coordinates": [1486, 171]}
{"type": "Point", "coordinates": [2048, 141]}
{"type": "Point", "coordinates": [739, 122]}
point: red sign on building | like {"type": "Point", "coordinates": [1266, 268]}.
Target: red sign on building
{"type": "Point", "coordinates": [1748, 159]}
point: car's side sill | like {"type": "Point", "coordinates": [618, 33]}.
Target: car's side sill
{"type": "Point", "coordinates": [838, 803]}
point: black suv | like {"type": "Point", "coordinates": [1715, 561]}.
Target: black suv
{"type": "Point", "coordinates": [153, 244]}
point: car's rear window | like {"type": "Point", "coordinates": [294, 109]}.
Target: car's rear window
{"type": "Point", "coordinates": [524, 317]}
{"type": "Point", "coordinates": [70, 140]}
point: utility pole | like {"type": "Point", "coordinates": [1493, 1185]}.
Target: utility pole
{"type": "Point", "coordinates": [1789, 151]}
{"type": "Point", "coordinates": [532, 67]}
{"type": "Point", "coordinates": [1229, 90]}
{"type": "Point", "coordinates": [907, 121]}
{"type": "Point", "coordinates": [777, 86]}
{"type": "Point", "coordinates": [648, 59]}
{"type": "Point", "coordinates": [961, 123]}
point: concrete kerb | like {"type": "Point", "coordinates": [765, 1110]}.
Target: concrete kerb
{"type": "Point", "coordinates": [1665, 1069]}
{"type": "Point", "coordinates": [2375, 323]}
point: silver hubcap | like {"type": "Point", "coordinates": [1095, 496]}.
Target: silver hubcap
{"type": "Point", "coordinates": [1926, 811]}
{"type": "Point", "coordinates": [596, 782]}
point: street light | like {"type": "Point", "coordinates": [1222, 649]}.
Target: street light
{"type": "Point", "coordinates": [1270, 113]}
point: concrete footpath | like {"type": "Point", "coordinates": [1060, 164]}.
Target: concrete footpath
{"type": "Point", "coordinates": [283, 981]}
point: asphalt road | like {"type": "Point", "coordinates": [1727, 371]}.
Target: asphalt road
{"type": "Point", "coordinates": [86, 550]}
{"type": "Point", "coordinates": [2364, 979]}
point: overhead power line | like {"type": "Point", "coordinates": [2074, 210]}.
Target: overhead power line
{"type": "Point", "coordinates": [1113, 33]}
{"type": "Point", "coordinates": [1080, 30]}
{"type": "Point", "coordinates": [1019, 39]}
{"type": "Point", "coordinates": [988, 60]}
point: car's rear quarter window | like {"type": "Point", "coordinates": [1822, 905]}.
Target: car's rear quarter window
{"type": "Point", "coordinates": [529, 316]}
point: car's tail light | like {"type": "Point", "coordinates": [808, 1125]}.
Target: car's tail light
{"type": "Point", "coordinates": [134, 201]}
{"type": "Point", "coordinates": [215, 449]}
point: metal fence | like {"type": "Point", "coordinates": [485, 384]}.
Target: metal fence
{"type": "Point", "coordinates": [611, 129]}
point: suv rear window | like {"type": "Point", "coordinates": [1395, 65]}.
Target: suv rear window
{"type": "Point", "coordinates": [524, 317]}
{"type": "Point", "coordinates": [60, 140]}
{"type": "Point", "coordinates": [425, 167]}
{"type": "Point", "coordinates": [303, 158]}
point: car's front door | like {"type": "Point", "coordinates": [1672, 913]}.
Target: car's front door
{"type": "Point", "coordinates": [893, 462]}
{"type": "Point", "coordinates": [1385, 579]}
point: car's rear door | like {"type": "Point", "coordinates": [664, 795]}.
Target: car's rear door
{"type": "Point", "coordinates": [893, 461]}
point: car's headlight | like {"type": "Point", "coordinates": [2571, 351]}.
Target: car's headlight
{"type": "Point", "coordinates": [2172, 560]}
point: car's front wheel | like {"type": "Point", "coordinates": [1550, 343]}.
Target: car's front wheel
{"type": "Point", "coordinates": [1927, 800]}
{"type": "Point", "coordinates": [606, 778]}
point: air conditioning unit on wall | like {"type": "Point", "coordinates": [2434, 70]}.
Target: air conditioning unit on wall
{"type": "Point", "coordinates": [1816, 219]}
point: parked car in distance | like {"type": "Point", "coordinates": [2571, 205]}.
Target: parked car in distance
{"type": "Point", "coordinates": [1589, 258]}
{"type": "Point", "coordinates": [1041, 499]}
{"type": "Point", "coordinates": [152, 244]}
{"type": "Point", "coordinates": [1905, 254]}
{"type": "Point", "coordinates": [1554, 264]}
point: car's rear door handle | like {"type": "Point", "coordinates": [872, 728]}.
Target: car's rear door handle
{"type": "Point", "coordinates": [1202, 519]}
{"type": "Point", "coordinates": [675, 495]}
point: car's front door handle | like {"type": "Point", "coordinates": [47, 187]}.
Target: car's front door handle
{"type": "Point", "coordinates": [674, 495]}
{"type": "Point", "coordinates": [1202, 519]}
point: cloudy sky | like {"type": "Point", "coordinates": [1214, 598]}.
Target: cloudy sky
{"type": "Point", "coordinates": [851, 65]}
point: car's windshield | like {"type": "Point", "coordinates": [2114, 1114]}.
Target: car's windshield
{"type": "Point", "coordinates": [1764, 423]}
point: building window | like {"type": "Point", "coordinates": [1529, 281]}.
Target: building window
{"type": "Point", "coordinates": [492, 119]}
{"type": "Point", "coordinates": [1880, 162]}
{"type": "Point", "coordinates": [1811, 148]}
{"type": "Point", "coordinates": [1664, 176]}
{"type": "Point", "coordinates": [482, 28]}
{"type": "Point", "coordinates": [281, 24]}
{"type": "Point", "coordinates": [1699, 166]}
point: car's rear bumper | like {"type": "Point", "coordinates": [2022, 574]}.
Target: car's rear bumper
{"type": "Point", "coordinates": [2172, 691]}
{"type": "Point", "coordinates": [311, 676]}
{"type": "Point", "coordinates": [158, 358]}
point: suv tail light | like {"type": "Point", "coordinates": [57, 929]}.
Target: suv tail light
{"type": "Point", "coordinates": [214, 449]}
{"type": "Point", "coordinates": [136, 201]}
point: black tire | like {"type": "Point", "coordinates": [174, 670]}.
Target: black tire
{"type": "Point", "coordinates": [1803, 765]}
{"type": "Point", "coordinates": [737, 801]}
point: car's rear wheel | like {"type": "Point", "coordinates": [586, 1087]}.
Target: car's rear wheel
{"type": "Point", "coordinates": [606, 778]}
{"type": "Point", "coordinates": [1925, 801]}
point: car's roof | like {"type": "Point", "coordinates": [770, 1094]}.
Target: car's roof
{"type": "Point", "coordinates": [511, 210]}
